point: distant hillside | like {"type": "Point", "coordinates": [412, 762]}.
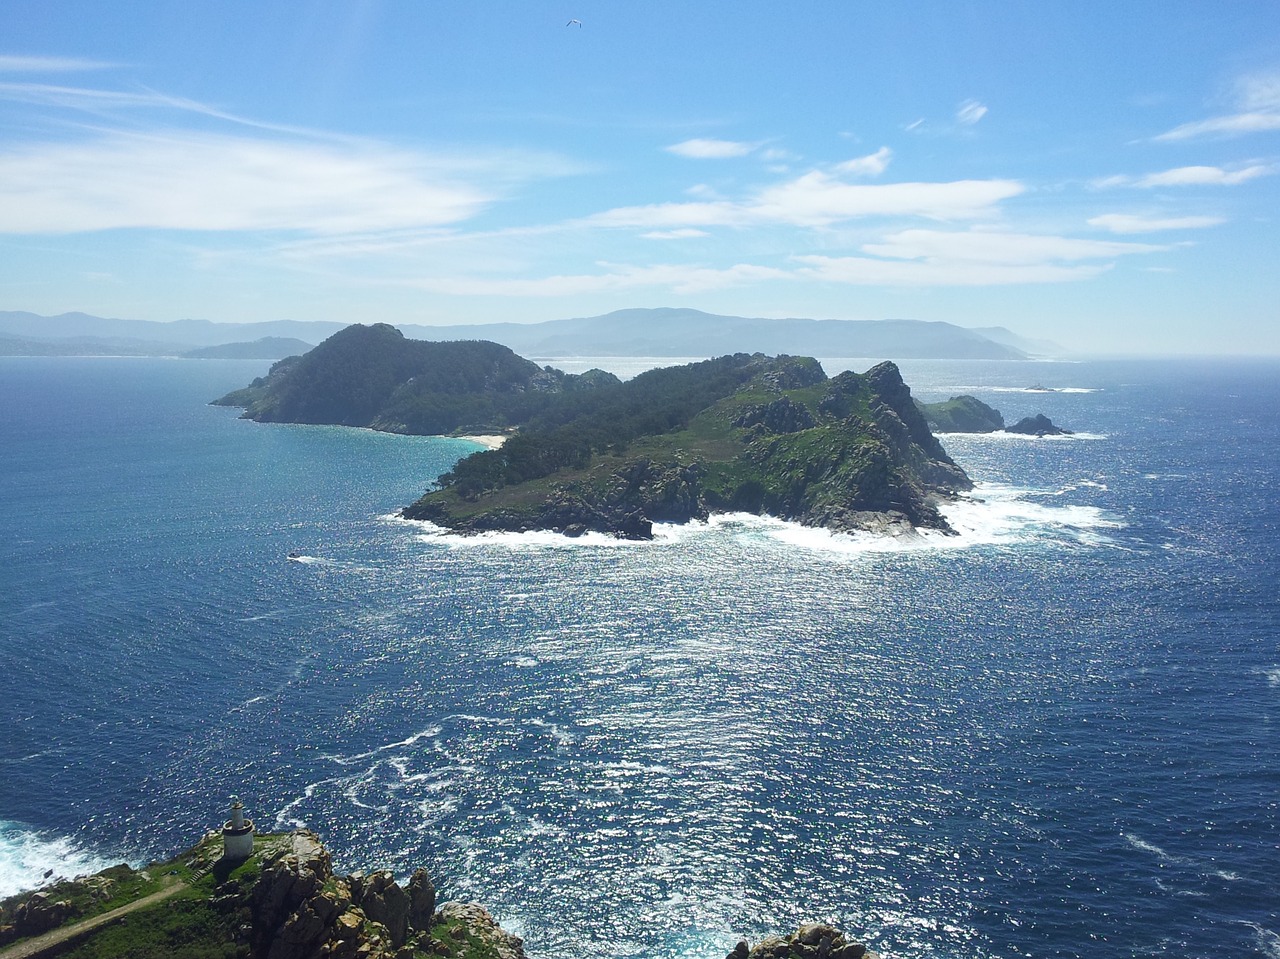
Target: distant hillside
{"type": "Point", "coordinates": [683, 332]}
{"type": "Point", "coordinates": [373, 376]}
{"type": "Point", "coordinates": [188, 334]}
{"type": "Point", "coordinates": [1028, 345]}
{"type": "Point", "coordinates": [81, 346]}
{"type": "Point", "coordinates": [638, 332]}
{"type": "Point", "coordinates": [267, 348]}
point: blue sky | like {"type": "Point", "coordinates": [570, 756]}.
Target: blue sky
{"type": "Point", "coordinates": [1106, 175]}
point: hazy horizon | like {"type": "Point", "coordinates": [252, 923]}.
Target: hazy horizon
{"type": "Point", "coordinates": [1100, 177]}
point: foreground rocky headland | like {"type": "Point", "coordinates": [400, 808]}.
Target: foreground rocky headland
{"type": "Point", "coordinates": [286, 902]}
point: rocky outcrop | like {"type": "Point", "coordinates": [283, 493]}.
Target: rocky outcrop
{"type": "Point", "coordinates": [962, 414]}
{"type": "Point", "coordinates": [301, 910]}
{"type": "Point", "coordinates": [62, 902]}
{"type": "Point", "coordinates": [468, 920]}
{"type": "Point", "coordinates": [40, 913]}
{"type": "Point", "coordinates": [1038, 425]}
{"type": "Point", "coordinates": [781, 416]}
{"type": "Point", "coordinates": [810, 941]}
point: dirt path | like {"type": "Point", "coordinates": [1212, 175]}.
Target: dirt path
{"type": "Point", "coordinates": [41, 944]}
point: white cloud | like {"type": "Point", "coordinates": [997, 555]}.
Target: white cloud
{"type": "Point", "coordinates": [188, 181]}
{"type": "Point", "coordinates": [18, 64]}
{"type": "Point", "coordinates": [711, 149]}
{"type": "Point", "coordinates": [678, 278]}
{"type": "Point", "coordinates": [1233, 125]}
{"type": "Point", "coordinates": [969, 258]}
{"type": "Point", "coordinates": [1259, 91]}
{"type": "Point", "coordinates": [1203, 176]}
{"type": "Point", "coordinates": [970, 112]}
{"type": "Point", "coordinates": [992, 247]}
{"type": "Point", "coordinates": [1258, 110]}
{"type": "Point", "coordinates": [818, 199]}
{"type": "Point", "coordinates": [686, 233]}
{"type": "Point", "coordinates": [871, 165]}
{"type": "Point", "coordinates": [1129, 223]}
{"type": "Point", "coordinates": [866, 271]}
{"type": "Point", "coordinates": [1189, 176]}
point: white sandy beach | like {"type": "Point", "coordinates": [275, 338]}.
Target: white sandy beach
{"type": "Point", "coordinates": [493, 442]}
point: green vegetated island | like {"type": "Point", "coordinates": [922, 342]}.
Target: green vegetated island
{"type": "Point", "coordinates": [284, 900]}
{"type": "Point", "coordinates": [745, 432]}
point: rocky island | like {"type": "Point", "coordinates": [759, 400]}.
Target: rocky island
{"type": "Point", "coordinates": [283, 900]}
{"type": "Point", "coordinates": [372, 376]}
{"type": "Point", "coordinates": [968, 414]}
{"type": "Point", "coordinates": [743, 433]}
{"type": "Point", "coordinates": [746, 432]}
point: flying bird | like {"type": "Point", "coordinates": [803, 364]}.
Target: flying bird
{"type": "Point", "coordinates": [572, 22]}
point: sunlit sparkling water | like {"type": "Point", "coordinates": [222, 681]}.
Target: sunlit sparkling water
{"type": "Point", "coordinates": [1052, 734]}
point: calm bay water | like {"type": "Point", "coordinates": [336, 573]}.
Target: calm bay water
{"type": "Point", "coordinates": [1056, 734]}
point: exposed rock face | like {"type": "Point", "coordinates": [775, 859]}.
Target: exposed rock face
{"type": "Point", "coordinates": [810, 941]}
{"type": "Point", "coordinates": [301, 910]}
{"type": "Point", "coordinates": [475, 920]}
{"type": "Point", "coordinates": [1038, 425]}
{"type": "Point", "coordinates": [781, 416]}
{"type": "Point", "coordinates": [422, 900]}
{"type": "Point", "coordinates": [52, 907]}
{"type": "Point", "coordinates": [383, 902]}
{"type": "Point", "coordinates": [40, 913]}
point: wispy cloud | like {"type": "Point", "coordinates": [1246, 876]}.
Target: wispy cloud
{"type": "Point", "coordinates": [970, 258]}
{"type": "Point", "coordinates": [990, 246]}
{"type": "Point", "coordinates": [18, 64]}
{"type": "Point", "coordinates": [970, 112]}
{"type": "Point", "coordinates": [866, 271]}
{"type": "Point", "coordinates": [195, 181]}
{"type": "Point", "coordinates": [871, 165]}
{"type": "Point", "coordinates": [819, 199]}
{"type": "Point", "coordinates": [1189, 176]}
{"type": "Point", "coordinates": [679, 278]}
{"type": "Point", "coordinates": [687, 233]}
{"type": "Point", "coordinates": [107, 103]}
{"type": "Point", "coordinates": [1257, 102]}
{"type": "Point", "coordinates": [711, 149]}
{"type": "Point", "coordinates": [1131, 223]}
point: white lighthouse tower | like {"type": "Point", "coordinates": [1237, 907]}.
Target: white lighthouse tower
{"type": "Point", "coordinates": [237, 834]}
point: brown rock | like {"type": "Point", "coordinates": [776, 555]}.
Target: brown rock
{"type": "Point", "coordinates": [422, 901]}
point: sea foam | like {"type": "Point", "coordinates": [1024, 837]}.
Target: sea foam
{"type": "Point", "coordinates": [29, 859]}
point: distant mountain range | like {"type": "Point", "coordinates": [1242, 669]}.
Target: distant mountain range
{"type": "Point", "coordinates": [638, 332]}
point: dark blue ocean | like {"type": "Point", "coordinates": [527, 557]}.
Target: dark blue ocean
{"type": "Point", "coordinates": [1056, 734]}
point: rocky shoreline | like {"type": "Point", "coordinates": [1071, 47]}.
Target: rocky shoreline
{"type": "Point", "coordinates": [286, 902]}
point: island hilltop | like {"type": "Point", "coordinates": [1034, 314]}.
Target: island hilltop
{"type": "Point", "coordinates": [742, 433]}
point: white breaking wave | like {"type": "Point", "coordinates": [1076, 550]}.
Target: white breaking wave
{"type": "Point", "coordinates": [1032, 389]}
{"type": "Point", "coordinates": [29, 859]}
{"type": "Point", "coordinates": [994, 514]}
{"type": "Point", "coordinates": [1022, 437]}
{"type": "Point", "coordinates": [1268, 941]}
